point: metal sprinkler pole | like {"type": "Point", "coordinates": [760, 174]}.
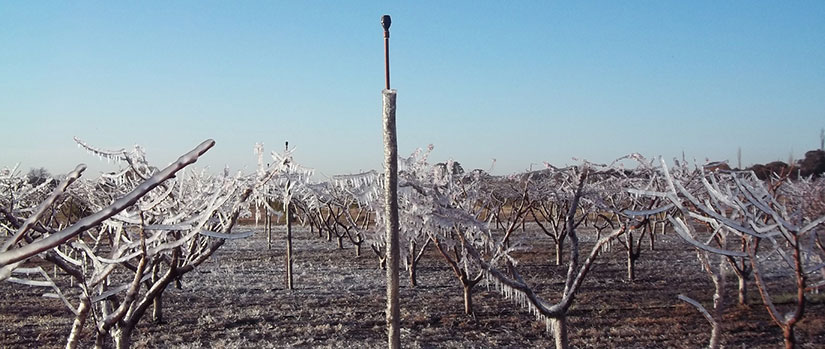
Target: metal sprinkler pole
{"type": "Point", "coordinates": [391, 200]}
{"type": "Point", "coordinates": [385, 22]}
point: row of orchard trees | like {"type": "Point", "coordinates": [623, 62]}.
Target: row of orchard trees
{"type": "Point", "coordinates": [756, 230]}
{"type": "Point", "coordinates": [471, 218]}
{"type": "Point", "coordinates": [126, 236]}
{"type": "Point", "coordinates": [740, 226]}
{"type": "Point", "coordinates": [121, 239]}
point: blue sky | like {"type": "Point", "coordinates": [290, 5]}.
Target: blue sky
{"type": "Point", "coordinates": [519, 82]}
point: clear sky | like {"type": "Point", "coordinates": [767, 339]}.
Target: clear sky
{"type": "Point", "coordinates": [519, 82]}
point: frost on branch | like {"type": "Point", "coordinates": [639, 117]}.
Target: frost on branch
{"type": "Point", "coordinates": [132, 227]}
{"type": "Point", "coordinates": [777, 226]}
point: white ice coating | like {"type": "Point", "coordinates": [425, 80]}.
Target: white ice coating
{"type": "Point", "coordinates": [195, 209]}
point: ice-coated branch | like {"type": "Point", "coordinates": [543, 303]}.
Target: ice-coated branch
{"type": "Point", "coordinates": [682, 229]}
{"type": "Point", "coordinates": [217, 235]}
{"type": "Point", "coordinates": [524, 294]}
{"type": "Point", "coordinates": [47, 283]}
{"type": "Point", "coordinates": [38, 212]}
{"type": "Point", "coordinates": [38, 246]}
{"type": "Point", "coordinates": [699, 307]}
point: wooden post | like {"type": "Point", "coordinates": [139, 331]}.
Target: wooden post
{"type": "Point", "coordinates": [391, 200]}
{"type": "Point", "coordinates": [391, 211]}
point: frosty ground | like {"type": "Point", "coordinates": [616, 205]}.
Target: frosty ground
{"type": "Point", "coordinates": [237, 299]}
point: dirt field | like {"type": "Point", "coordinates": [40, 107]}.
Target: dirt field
{"type": "Point", "coordinates": [237, 300]}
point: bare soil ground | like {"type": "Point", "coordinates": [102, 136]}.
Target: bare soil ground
{"type": "Point", "coordinates": [238, 300]}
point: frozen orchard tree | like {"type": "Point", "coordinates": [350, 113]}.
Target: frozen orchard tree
{"type": "Point", "coordinates": [778, 228]}
{"type": "Point", "coordinates": [121, 258]}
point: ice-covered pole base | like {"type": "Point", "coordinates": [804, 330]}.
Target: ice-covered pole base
{"type": "Point", "coordinates": [391, 207]}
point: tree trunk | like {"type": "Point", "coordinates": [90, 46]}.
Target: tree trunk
{"type": "Point", "coordinates": [715, 336]}
{"type": "Point", "coordinates": [787, 334]}
{"type": "Point", "coordinates": [559, 251]}
{"type": "Point", "coordinates": [413, 280]}
{"type": "Point", "coordinates": [412, 263]}
{"type": "Point", "coordinates": [101, 336]}
{"type": "Point", "coordinates": [268, 226]}
{"type": "Point", "coordinates": [631, 272]}
{"type": "Point", "coordinates": [743, 290]}
{"type": "Point", "coordinates": [288, 247]}
{"type": "Point", "coordinates": [719, 301]}
{"type": "Point", "coordinates": [157, 302]}
{"type": "Point", "coordinates": [631, 268]}
{"type": "Point", "coordinates": [468, 299]}
{"type": "Point", "coordinates": [157, 309]}
{"type": "Point", "coordinates": [77, 326]}
{"type": "Point", "coordinates": [559, 327]}
{"type": "Point", "coordinates": [123, 337]}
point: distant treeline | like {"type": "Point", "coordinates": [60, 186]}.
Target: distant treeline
{"type": "Point", "coordinates": [812, 165]}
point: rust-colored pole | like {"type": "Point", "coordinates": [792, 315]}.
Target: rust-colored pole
{"type": "Point", "coordinates": [385, 22]}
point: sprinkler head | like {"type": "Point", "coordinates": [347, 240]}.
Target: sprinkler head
{"type": "Point", "coordinates": [385, 22]}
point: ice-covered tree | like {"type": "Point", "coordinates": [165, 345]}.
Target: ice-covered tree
{"type": "Point", "coordinates": [775, 223]}
{"type": "Point", "coordinates": [148, 229]}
